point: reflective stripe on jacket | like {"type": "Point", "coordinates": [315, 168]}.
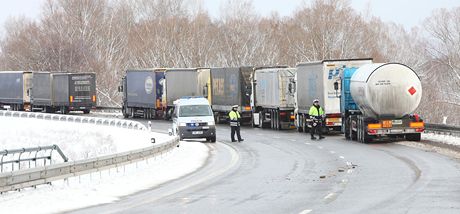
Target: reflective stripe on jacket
{"type": "Point", "coordinates": [315, 112]}
{"type": "Point", "coordinates": [234, 118]}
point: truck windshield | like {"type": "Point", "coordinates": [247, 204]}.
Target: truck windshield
{"type": "Point", "coordinates": [195, 110]}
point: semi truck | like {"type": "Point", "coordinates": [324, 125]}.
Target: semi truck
{"type": "Point", "coordinates": [73, 92]}
{"type": "Point", "coordinates": [378, 101]}
{"type": "Point", "coordinates": [272, 100]}
{"type": "Point", "coordinates": [25, 90]}
{"type": "Point", "coordinates": [314, 80]}
{"type": "Point", "coordinates": [142, 93]}
{"type": "Point", "coordinates": [231, 86]}
{"type": "Point", "coordinates": [184, 82]}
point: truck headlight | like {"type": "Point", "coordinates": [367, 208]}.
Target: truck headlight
{"type": "Point", "coordinates": [211, 123]}
{"type": "Point", "coordinates": [182, 124]}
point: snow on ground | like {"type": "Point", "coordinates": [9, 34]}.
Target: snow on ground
{"type": "Point", "coordinates": [442, 138]}
{"type": "Point", "coordinates": [79, 141]}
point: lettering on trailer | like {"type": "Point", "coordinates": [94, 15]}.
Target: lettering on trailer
{"type": "Point", "coordinates": [383, 82]}
{"type": "Point", "coordinates": [82, 88]}
{"type": "Point", "coordinates": [334, 73]}
{"type": "Point", "coordinates": [82, 77]}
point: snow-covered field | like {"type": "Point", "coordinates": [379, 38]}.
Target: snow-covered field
{"type": "Point", "coordinates": [80, 141]}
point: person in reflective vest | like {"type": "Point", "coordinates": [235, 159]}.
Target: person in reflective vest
{"type": "Point", "coordinates": [235, 118]}
{"type": "Point", "coordinates": [316, 115]}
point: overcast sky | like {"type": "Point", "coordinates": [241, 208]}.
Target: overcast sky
{"type": "Point", "coordinates": [406, 12]}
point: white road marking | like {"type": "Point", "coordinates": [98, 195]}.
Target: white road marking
{"type": "Point", "coordinates": [276, 137]}
{"type": "Point", "coordinates": [349, 171]}
{"type": "Point", "coordinates": [330, 195]}
{"type": "Point", "coordinates": [332, 152]}
{"type": "Point", "coordinates": [320, 147]}
{"type": "Point", "coordinates": [308, 143]}
{"type": "Point", "coordinates": [293, 140]}
{"type": "Point", "coordinates": [348, 163]}
{"type": "Point", "coordinates": [342, 157]}
{"type": "Point", "coordinates": [305, 212]}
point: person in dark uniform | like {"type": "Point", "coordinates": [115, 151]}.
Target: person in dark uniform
{"type": "Point", "coordinates": [235, 118]}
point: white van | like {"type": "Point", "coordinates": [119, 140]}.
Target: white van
{"type": "Point", "coordinates": [193, 118]}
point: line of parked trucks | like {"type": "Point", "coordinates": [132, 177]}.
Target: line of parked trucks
{"type": "Point", "coordinates": [47, 92]}
{"type": "Point", "coordinates": [362, 99]}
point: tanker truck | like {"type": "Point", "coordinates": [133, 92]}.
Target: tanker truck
{"type": "Point", "coordinates": [378, 101]}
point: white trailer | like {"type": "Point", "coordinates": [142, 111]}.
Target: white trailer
{"type": "Point", "coordinates": [315, 80]}
{"type": "Point", "coordinates": [272, 100]}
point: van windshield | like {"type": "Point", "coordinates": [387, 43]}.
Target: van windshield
{"type": "Point", "coordinates": [195, 110]}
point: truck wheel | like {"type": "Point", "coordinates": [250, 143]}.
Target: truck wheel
{"type": "Point", "coordinates": [414, 137]}
{"type": "Point", "coordinates": [261, 121]}
{"type": "Point", "coordinates": [125, 114]}
{"type": "Point", "coordinates": [86, 111]}
{"type": "Point", "coordinates": [218, 120]}
{"type": "Point", "coordinates": [299, 123]}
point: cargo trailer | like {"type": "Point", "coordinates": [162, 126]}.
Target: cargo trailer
{"type": "Point", "coordinates": [184, 82]}
{"type": "Point", "coordinates": [272, 99]}
{"type": "Point", "coordinates": [315, 80]}
{"type": "Point", "coordinates": [142, 93]}
{"type": "Point", "coordinates": [26, 90]}
{"type": "Point", "coordinates": [73, 92]}
{"type": "Point", "coordinates": [231, 86]}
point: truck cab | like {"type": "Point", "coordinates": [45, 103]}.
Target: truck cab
{"type": "Point", "coordinates": [193, 118]}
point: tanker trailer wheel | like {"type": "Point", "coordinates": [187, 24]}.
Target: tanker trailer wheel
{"type": "Point", "coordinates": [346, 126]}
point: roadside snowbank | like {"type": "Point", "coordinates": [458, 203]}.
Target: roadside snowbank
{"type": "Point", "coordinates": [452, 140]}
{"type": "Point", "coordinates": [79, 141]}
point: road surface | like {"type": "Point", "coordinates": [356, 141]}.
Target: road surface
{"type": "Point", "coordinates": [286, 172]}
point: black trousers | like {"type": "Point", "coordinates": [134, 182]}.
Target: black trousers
{"type": "Point", "coordinates": [237, 130]}
{"type": "Point", "coordinates": [316, 129]}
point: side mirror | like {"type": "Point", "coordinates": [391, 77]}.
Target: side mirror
{"type": "Point", "coordinates": [205, 91]}
{"type": "Point", "coordinates": [336, 85]}
{"type": "Point", "coordinates": [291, 87]}
{"type": "Point", "coordinates": [152, 140]}
{"type": "Point", "coordinates": [120, 88]}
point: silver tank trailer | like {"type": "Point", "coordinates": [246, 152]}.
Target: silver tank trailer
{"type": "Point", "coordinates": [386, 90]}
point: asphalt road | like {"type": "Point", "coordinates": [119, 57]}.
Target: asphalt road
{"type": "Point", "coordinates": [286, 172]}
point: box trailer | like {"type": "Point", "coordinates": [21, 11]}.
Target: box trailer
{"type": "Point", "coordinates": [15, 89]}
{"type": "Point", "coordinates": [272, 98]}
{"type": "Point", "coordinates": [73, 92]}
{"type": "Point", "coordinates": [231, 86]}
{"type": "Point", "coordinates": [315, 80]}
{"type": "Point", "coordinates": [142, 92]}
{"type": "Point", "coordinates": [25, 90]}
{"type": "Point", "coordinates": [184, 82]}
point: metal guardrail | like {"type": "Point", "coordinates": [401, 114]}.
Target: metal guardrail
{"type": "Point", "coordinates": [43, 175]}
{"type": "Point", "coordinates": [108, 108]}
{"type": "Point", "coordinates": [442, 129]}
{"type": "Point", "coordinates": [34, 158]}
{"type": "Point", "coordinates": [15, 180]}
{"type": "Point", "coordinates": [77, 119]}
